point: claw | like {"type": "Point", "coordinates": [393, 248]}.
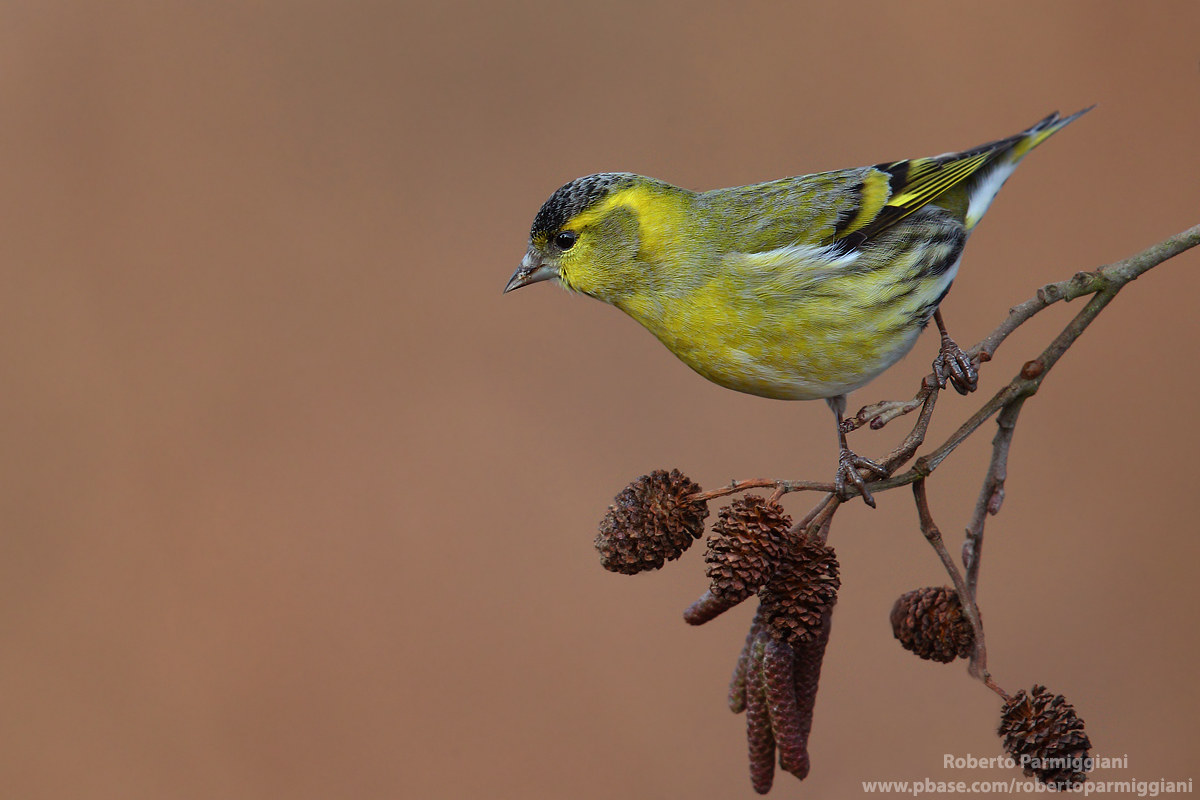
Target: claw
{"type": "Point", "coordinates": [849, 464]}
{"type": "Point", "coordinates": [955, 366]}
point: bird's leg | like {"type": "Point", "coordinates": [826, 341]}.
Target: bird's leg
{"type": "Point", "coordinates": [849, 462]}
{"type": "Point", "coordinates": [952, 363]}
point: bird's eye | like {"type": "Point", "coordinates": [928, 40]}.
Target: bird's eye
{"type": "Point", "coordinates": [565, 240]}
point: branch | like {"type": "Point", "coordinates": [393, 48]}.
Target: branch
{"type": "Point", "coordinates": [991, 495]}
{"type": "Point", "coordinates": [1103, 284]}
{"type": "Point", "coordinates": [978, 665]}
{"type": "Point", "coordinates": [1111, 277]}
{"type": "Point", "coordinates": [644, 531]}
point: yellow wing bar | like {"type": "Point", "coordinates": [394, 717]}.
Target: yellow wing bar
{"type": "Point", "coordinates": [917, 183]}
{"type": "Point", "coordinates": [927, 179]}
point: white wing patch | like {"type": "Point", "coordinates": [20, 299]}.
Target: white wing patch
{"type": "Point", "coordinates": [982, 195]}
{"type": "Point", "coordinates": [806, 262]}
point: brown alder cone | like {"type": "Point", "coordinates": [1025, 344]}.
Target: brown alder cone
{"type": "Point", "coordinates": [1042, 732]}
{"type": "Point", "coordinates": [803, 588]}
{"type": "Point", "coordinates": [742, 552]}
{"type": "Point", "coordinates": [651, 522]}
{"type": "Point", "coordinates": [930, 622]}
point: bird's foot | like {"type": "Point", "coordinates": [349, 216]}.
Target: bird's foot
{"type": "Point", "coordinates": [849, 464]}
{"type": "Point", "coordinates": [954, 365]}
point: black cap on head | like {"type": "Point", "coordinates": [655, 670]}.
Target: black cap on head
{"type": "Point", "coordinates": [574, 197]}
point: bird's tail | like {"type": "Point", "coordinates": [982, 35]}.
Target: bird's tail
{"type": "Point", "coordinates": [1029, 139]}
{"type": "Point", "coordinates": [1002, 157]}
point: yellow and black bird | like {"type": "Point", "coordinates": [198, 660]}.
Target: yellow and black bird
{"type": "Point", "coordinates": [796, 289]}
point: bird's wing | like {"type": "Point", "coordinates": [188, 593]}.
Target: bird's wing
{"type": "Point", "coordinates": [842, 210]}
{"type": "Point", "coordinates": [783, 237]}
{"type": "Point", "coordinates": [962, 183]}
{"type": "Point", "coordinates": [915, 183]}
{"type": "Point", "coordinates": [808, 209]}
{"type": "Point", "coordinates": [815, 224]}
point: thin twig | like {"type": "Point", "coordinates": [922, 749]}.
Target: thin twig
{"type": "Point", "coordinates": [995, 687]}
{"type": "Point", "coordinates": [1030, 378]}
{"type": "Point", "coordinates": [879, 414]}
{"type": "Point", "coordinates": [1103, 284]}
{"type": "Point", "coordinates": [916, 437]}
{"type": "Point", "coordinates": [1111, 277]}
{"type": "Point", "coordinates": [818, 515]}
{"type": "Point", "coordinates": [978, 665]}
{"type": "Point", "coordinates": [991, 495]}
{"type": "Point", "coordinates": [780, 487]}
{"type": "Point", "coordinates": [733, 488]}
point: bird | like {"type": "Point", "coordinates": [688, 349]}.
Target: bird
{"type": "Point", "coordinates": [801, 288]}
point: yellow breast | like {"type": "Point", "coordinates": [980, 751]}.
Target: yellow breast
{"type": "Point", "coordinates": [769, 331]}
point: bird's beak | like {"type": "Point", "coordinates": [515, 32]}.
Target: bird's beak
{"type": "Point", "coordinates": [531, 270]}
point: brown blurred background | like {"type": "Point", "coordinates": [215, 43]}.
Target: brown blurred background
{"type": "Point", "coordinates": [295, 504]}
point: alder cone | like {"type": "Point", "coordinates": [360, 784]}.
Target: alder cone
{"type": "Point", "coordinates": [1044, 734]}
{"type": "Point", "coordinates": [745, 544]}
{"type": "Point", "coordinates": [802, 590]}
{"type": "Point", "coordinates": [651, 521]}
{"type": "Point", "coordinates": [930, 622]}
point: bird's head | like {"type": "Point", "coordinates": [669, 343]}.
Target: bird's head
{"type": "Point", "coordinates": [595, 235]}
